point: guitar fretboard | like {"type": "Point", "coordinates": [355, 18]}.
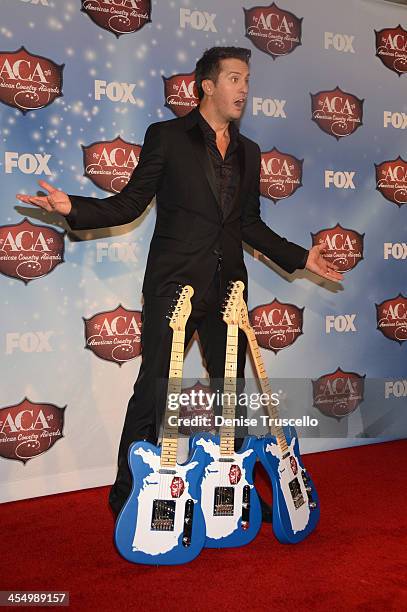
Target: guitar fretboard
{"type": "Point", "coordinates": [227, 432]}
{"type": "Point", "coordinates": [272, 410]}
{"type": "Point", "coordinates": [169, 444]}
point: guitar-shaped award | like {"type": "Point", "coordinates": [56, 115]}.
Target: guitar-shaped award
{"type": "Point", "coordinates": [229, 500]}
{"type": "Point", "coordinates": [162, 523]}
{"type": "Point", "coordinates": [295, 500]}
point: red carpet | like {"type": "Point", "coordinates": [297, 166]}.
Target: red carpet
{"type": "Point", "coordinates": [356, 559]}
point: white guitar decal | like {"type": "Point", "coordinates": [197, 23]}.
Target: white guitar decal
{"type": "Point", "coordinates": [157, 486]}
{"type": "Point", "coordinates": [217, 475]}
{"type": "Point", "coordinates": [299, 517]}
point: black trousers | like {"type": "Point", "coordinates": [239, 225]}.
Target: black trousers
{"type": "Point", "coordinates": [146, 406]}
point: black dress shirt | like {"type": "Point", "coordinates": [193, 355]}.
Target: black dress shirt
{"type": "Point", "coordinates": [227, 171]}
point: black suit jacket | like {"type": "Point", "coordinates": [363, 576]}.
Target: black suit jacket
{"type": "Point", "coordinates": [190, 230]}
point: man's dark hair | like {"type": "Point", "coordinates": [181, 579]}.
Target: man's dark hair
{"type": "Point", "coordinates": [208, 66]}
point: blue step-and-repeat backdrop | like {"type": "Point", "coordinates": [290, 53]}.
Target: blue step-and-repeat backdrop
{"type": "Point", "coordinates": [80, 81]}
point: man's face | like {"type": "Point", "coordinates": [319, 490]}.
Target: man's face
{"type": "Point", "coordinates": [229, 93]}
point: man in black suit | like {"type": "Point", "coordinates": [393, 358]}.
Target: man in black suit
{"type": "Point", "coordinates": [205, 176]}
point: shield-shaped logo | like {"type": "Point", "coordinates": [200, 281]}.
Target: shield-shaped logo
{"type": "Point", "coordinates": [344, 246]}
{"type": "Point", "coordinates": [392, 318]}
{"type": "Point", "coordinates": [276, 325]}
{"type": "Point", "coordinates": [177, 486]}
{"type": "Point", "coordinates": [391, 48]}
{"type": "Point", "coordinates": [273, 30]}
{"type": "Point", "coordinates": [27, 81]}
{"type": "Point", "coordinates": [339, 393]}
{"type": "Point", "coordinates": [280, 175]}
{"type": "Point", "coordinates": [181, 94]}
{"type": "Point", "coordinates": [198, 408]}
{"type": "Point", "coordinates": [110, 164]}
{"type": "Point", "coordinates": [118, 16]}
{"type": "Point", "coordinates": [114, 335]}
{"type": "Point", "coordinates": [29, 251]}
{"type": "Point", "coordinates": [29, 429]}
{"type": "Point", "coordinates": [337, 112]}
{"type": "Point", "coordinates": [235, 474]}
{"type": "Point", "coordinates": [391, 180]}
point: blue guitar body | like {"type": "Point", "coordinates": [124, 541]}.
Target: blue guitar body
{"type": "Point", "coordinates": [295, 500]}
{"type": "Point", "coordinates": [161, 523]}
{"type": "Point", "coordinates": [229, 501]}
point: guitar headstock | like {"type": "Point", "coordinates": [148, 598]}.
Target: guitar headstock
{"type": "Point", "coordinates": [181, 308]}
{"type": "Point", "coordinates": [244, 321]}
{"type": "Point", "coordinates": [232, 303]}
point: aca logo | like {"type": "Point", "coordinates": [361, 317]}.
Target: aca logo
{"type": "Point", "coordinates": [339, 393]}
{"type": "Point", "coordinates": [391, 180]}
{"type": "Point", "coordinates": [198, 408]}
{"type": "Point", "coordinates": [118, 16]}
{"type": "Point", "coordinates": [29, 251]}
{"type": "Point", "coordinates": [391, 48]}
{"type": "Point", "coordinates": [344, 246]}
{"type": "Point", "coordinates": [273, 30]}
{"type": "Point", "coordinates": [181, 94]}
{"type": "Point", "coordinates": [277, 325]}
{"type": "Point", "coordinates": [337, 112]}
{"type": "Point", "coordinates": [29, 429]}
{"type": "Point", "coordinates": [110, 164]}
{"type": "Point", "coordinates": [114, 335]}
{"type": "Point", "coordinates": [280, 175]}
{"type": "Point", "coordinates": [392, 318]}
{"type": "Point", "coordinates": [27, 81]}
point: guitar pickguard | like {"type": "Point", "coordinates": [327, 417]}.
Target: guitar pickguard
{"type": "Point", "coordinates": [292, 486]}
{"type": "Point", "coordinates": [160, 517]}
{"type": "Point", "coordinates": [221, 508]}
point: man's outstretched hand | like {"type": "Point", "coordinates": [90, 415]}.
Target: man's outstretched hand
{"type": "Point", "coordinates": [319, 265]}
{"type": "Point", "coordinates": [56, 201]}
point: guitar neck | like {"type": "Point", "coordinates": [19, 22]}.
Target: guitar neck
{"type": "Point", "coordinates": [169, 443]}
{"type": "Point", "coordinates": [227, 432]}
{"type": "Point", "coordinates": [265, 385]}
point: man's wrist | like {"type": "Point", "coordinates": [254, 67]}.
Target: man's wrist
{"type": "Point", "coordinates": [71, 216]}
{"type": "Point", "coordinates": [304, 260]}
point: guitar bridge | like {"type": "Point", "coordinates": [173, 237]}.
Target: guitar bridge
{"type": "Point", "coordinates": [224, 501]}
{"type": "Point", "coordinates": [296, 494]}
{"type": "Point", "coordinates": [163, 515]}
